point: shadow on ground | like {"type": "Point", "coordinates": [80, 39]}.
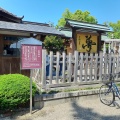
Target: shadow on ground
{"type": "Point", "coordinates": [81, 113]}
{"type": "Point", "coordinates": [77, 113]}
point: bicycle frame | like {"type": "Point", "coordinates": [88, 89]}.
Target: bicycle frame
{"type": "Point", "coordinates": [116, 90]}
{"type": "Point", "coordinates": [108, 91]}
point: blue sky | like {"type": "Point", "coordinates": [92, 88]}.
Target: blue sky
{"type": "Point", "coordinates": [45, 11]}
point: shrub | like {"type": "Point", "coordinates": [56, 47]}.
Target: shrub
{"type": "Point", "coordinates": [14, 90]}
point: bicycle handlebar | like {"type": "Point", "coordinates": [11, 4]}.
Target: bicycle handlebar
{"type": "Point", "coordinates": [110, 76]}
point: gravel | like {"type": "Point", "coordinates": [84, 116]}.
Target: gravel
{"type": "Point", "coordinates": [87, 109]}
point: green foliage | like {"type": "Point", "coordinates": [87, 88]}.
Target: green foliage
{"type": "Point", "coordinates": [77, 15]}
{"type": "Point", "coordinates": [14, 90]}
{"type": "Point", "coordinates": [115, 27]}
{"type": "Point", "coordinates": [53, 43]}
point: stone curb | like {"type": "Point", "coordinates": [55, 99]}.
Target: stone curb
{"type": "Point", "coordinates": [66, 94]}
{"type": "Point", "coordinates": [53, 99]}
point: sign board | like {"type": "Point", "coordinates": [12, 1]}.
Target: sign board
{"type": "Point", "coordinates": [31, 56]}
{"type": "Point", "coordinates": [87, 43]}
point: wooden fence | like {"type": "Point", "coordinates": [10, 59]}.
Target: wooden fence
{"type": "Point", "coordinates": [81, 68]}
{"type": "Point", "coordinates": [11, 65]}
{"type": "Point", "coordinates": [67, 70]}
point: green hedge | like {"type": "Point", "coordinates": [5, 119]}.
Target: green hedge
{"type": "Point", "coordinates": [14, 90]}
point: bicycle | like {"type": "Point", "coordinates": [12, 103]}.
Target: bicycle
{"type": "Point", "coordinates": [108, 91]}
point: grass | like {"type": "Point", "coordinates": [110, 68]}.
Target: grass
{"type": "Point", "coordinates": [68, 90]}
{"type": "Point", "coordinates": [71, 90]}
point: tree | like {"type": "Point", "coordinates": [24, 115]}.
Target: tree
{"type": "Point", "coordinates": [53, 43]}
{"type": "Point", "coordinates": [77, 15]}
{"type": "Point", "coordinates": [116, 29]}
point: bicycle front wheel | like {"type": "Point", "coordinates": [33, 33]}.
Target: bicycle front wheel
{"type": "Point", "coordinates": [106, 95]}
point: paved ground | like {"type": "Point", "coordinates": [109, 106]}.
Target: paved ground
{"type": "Point", "coordinates": [88, 109]}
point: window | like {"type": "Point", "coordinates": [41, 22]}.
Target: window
{"type": "Point", "coordinates": [8, 40]}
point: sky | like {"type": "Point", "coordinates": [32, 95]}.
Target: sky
{"type": "Point", "coordinates": [45, 11]}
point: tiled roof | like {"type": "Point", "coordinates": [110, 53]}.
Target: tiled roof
{"type": "Point", "coordinates": [35, 23]}
{"type": "Point", "coordinates": [66, 31]}
{"type": "Point", "coordinates": [5, 11]}
{"type": "Point", "coordinates": [31, 28]}
{"type": "Point", "coordinates": [108, 40]}
{"type": "Point", "coordinates": [85, 25]}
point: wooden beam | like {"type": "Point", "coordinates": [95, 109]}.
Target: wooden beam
{"type": "Point", "coordinates": [99, 42]}
{"type": "Point", "coordinates": [74, 40]}
{"type": "Point", "coordinates": [1, 44]}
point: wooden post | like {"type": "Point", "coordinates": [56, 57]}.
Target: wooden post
{"type": "Point", "coordinates": [105, 63]}
{"type": "Point", "coordinates": [109, 47]}
{"type": "Point", "coordinates": [63, 68]}
{"type": "Point", "coordinates": [99, 42]}
{"type": "Point", "coordinates": [96, 69]}
{"type": "Point", "coordinates": [44, 68]}
{"type": "Point", "coordinates": [10, 68]}
{"type": "Point", "coordinates": [69, 67]}
{"type": "Point", "coordinates": [86, 66]}
{"type": "Point", "coordinates": [74, 40]}
{"type": "Point", "coordinates": [57, 67]}
{"type": "Point", "coordinates": [81, 66]}
{"type": "Point", "coordinates": [30, 91]}
{"type": "Point", "coordinates": [117, 66]}
{"type": "Point", "coordinates": [91, 66]}
{"type": "Point", "coordinates": [75, 66]}
{"type": "Point", "coordinates": [101, 66]}
{"type": "Point", "coordinates": [119, 49]}
{"type": "Point", "coordinates": [109, 68]}
{"type": "Point", "coordinates": [104, 48]}
{"type": "Point", "coordinates": [1, 45]}
{"type": "Point", "coordinates": [51, 67]}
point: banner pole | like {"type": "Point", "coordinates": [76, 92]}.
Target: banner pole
{"type": "Point", "coordinates": [30, 92]}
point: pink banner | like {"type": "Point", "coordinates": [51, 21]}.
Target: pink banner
{"type": "Point", "coordinates": [31, 57]}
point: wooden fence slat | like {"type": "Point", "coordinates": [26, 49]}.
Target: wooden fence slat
{"type": "Point", "coordinates": [96, 66]}
{"type": "Point", "coordinates": [70, 67]}
{"type": "Point", "coordinates": [105, 64]}
{"type": "Point", "coordinates": [100, 66]}
{"type": "Point", "coordinates": [86, 66]}
{"type": "Point", "coordinates": [36, 75]}
{"type": "Point", "coordinates": [44, 68]}
{"type": "Point", "coordinates": [63, 68]}
{"type": "Point", "coordinates": [51, 67]}
{"type": "Point", "coordinates": [117, 67]}
{"type": "Point", "coordinates": [10, 68]}
{"type": "Point", "coordinates": [81, 66]}
{"type": "Point", "coordinates": [57, 67]}
{"type": "Point", "coordinates": [91, 66]}
{"type": "Point", "coordinates": [113, 64]}
{"type": "Point", "coordinates": [76, 66]}
{"type": "Point", "coordinates": [109, 69]}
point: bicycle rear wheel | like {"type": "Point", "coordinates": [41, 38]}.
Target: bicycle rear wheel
{"type": "Point", "coordinates": [106, 95]}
